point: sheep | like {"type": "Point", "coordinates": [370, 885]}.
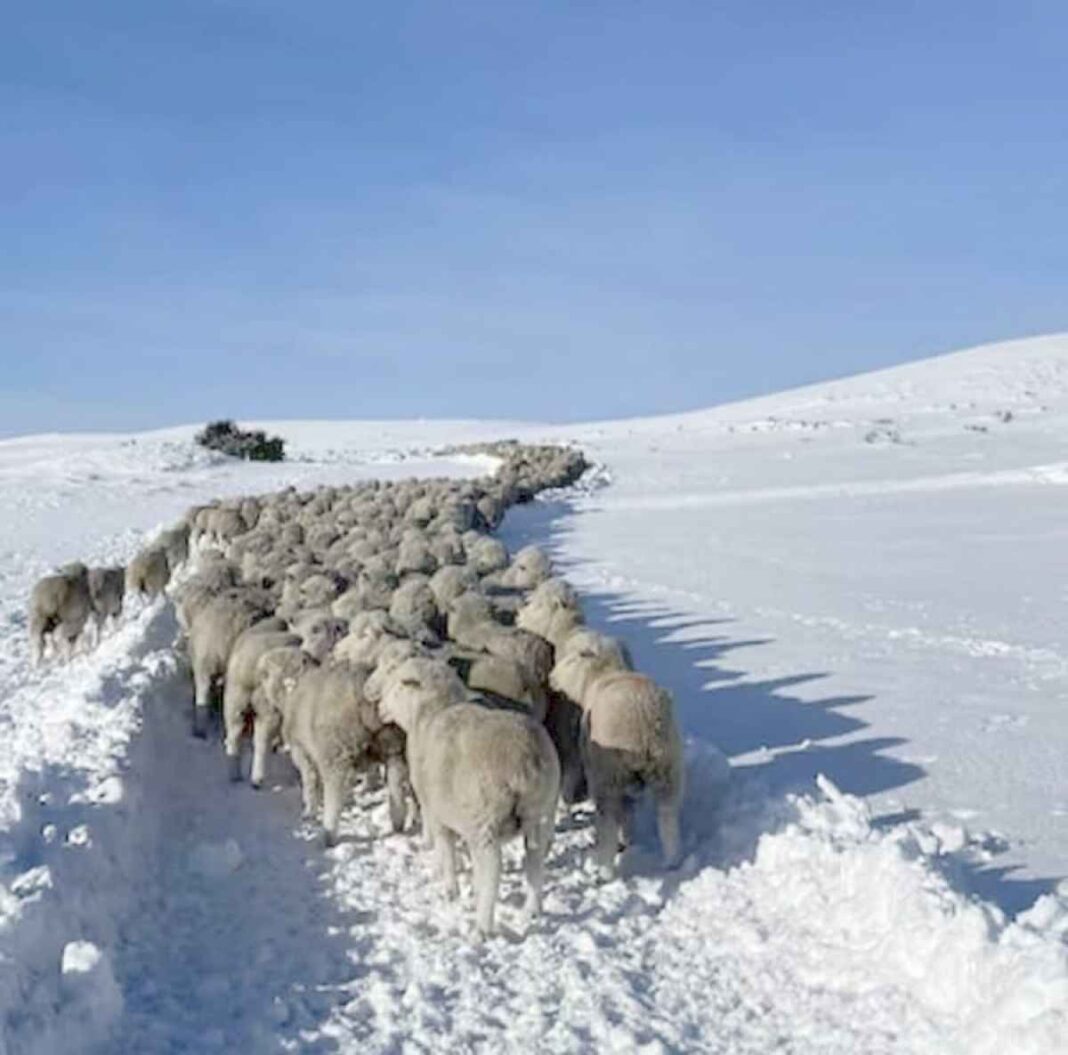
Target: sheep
{"type": "Point", "coordinates": [211, 578]}
{"type": "Point", "coordinates": [413, 607]}
{"type": "Point", "coordinates": [250, 510]}
{"type": "Point", "coordinates": [629, 742]}
{"type": "Point", "coordinates": [107, 589]}
{"type": "Point", "coordinates": [469, 618]}
{"type": "Point", "coordinates": [555, 592]}
{"type": "Point", "coordinates": [450, 582]}
{"type": "Point", "coordinates": [491, 510]}
{"type": "Point", "coordinates": [212, 633]}
{"type": "Point", "coordinates": [404, 677]}
{"type": "Point", "coordinates": [415, 555]}
{"type": "Point", "coordinates": [483, 776]}
{"type": "Point", "coordinates": [221, 524]}
{"type": "Point", "coordinates": [367, 638]}
{"type": "Point", "coordinates": [175, 545]}
{"type": "Point", "coordinates": [330, 728]}
{"type": "Point", "coordinates": [488, 555]}
{"type": "Point", "coordinates": [240, 685]}
{"type": "Point", "coordinates": [552, 612]}
{"type": "Point", "coordinates": [567, 682]}
{"type": "Point", "coordinates": [374, 587]}
{"type": "Point", "coordinates": [447, 548]}
{"type": "Point", "coordinates": [319, 631]}
{"type": "Point", "coordinates": [529, 568]}
{"type": "Point", "coordinates": [148, 573]}
{"type": "Point", "coordinates": [504, 682]}
{"type": "Point", "coordinates": [60, 604]}
{"type": "Point", "coordinates": [471, 623]}
{"type": "Point", "coordinates": [276, 675]}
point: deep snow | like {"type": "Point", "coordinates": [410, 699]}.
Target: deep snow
{"type": "Point", "coordinates": [857, 580]}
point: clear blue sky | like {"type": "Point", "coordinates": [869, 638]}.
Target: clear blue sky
{"type": "Point", "coordinates": [551, 210]}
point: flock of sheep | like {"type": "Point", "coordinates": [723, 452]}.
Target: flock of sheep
{"type": "Point", "coordinates": [380, 628]}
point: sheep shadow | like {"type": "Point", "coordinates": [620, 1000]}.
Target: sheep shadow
{"type": "Point", "coordinates": [777, 740]}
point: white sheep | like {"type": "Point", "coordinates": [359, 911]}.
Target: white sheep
{"type": "Point", "coordinates": [414, 608]}
{"type": "Point", "coordinates": [211, 578]}
{"type": "Point", "coordinates": [630, 742]}
{"type": "Point", "coordinates": [505, 682]}
{"type": "Point", "coordinates": [487, 555]}
{"type": "Point", "coordinates": [529, 568]}
{"type": "Point", "coordinates": [552, 612]}
{"type": "Point", "coordinates": [484, 776]}
{"type": "Point", "coordinates": [107, 588]}
{"type": "Point", "coordinates": [450, 582]}
{"type": "Point", "coordinates": [212, 633]}
{"type": "Point", "coordinates": [333, 732]}
{"type": "Point", "coordinates": [60, 605]}
{"type": "Point", "coordinates": [472, 623]}
{"type": "Point", "coordinates": [175, 545]}
{"type": "Point", "coordinates": [366, 639]}
{"type": "Point", "coordinates": [148, 573]}
{"type": "Point", "coordinates": [319, 631]}
{"type": "Point", "coordinates": [563, 718]}
{"type": "Point", "coordinates": [242, 680]}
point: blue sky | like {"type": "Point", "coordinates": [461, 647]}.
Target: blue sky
{"type": "Point", "coordinates": [541, 210]}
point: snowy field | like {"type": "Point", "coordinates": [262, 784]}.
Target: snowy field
{"type": "Point", "coordinates": [856, 590]}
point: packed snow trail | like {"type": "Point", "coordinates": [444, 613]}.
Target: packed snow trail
{"type": "Point", "coordinates": [792, 925]}
{"type": "Point", "coordinates": [231, 940]}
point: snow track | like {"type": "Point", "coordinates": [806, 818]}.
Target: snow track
{"type": "Point", "coordinates": [223, 925]}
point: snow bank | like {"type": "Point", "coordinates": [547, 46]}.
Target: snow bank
{"type": "Point", "coordinates": [858, 911]}
{"type": "Point", "coordinates": [80, 844]}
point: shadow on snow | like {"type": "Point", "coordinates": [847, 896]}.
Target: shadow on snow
{"type": "Point", "coordinates": [779, 742]}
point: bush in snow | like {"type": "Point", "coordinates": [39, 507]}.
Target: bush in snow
{"type": "Point", "coordinates": [254, 446]}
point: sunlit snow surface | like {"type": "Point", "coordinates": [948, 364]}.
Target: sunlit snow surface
{"type": "Point", "coordinates": [855, 588]}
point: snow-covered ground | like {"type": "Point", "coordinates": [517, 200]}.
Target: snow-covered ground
{"type": "Point", "coordinates": [858, 580]}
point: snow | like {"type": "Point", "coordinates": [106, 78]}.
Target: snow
{"type": "Point", "coordinates": [852, 589]}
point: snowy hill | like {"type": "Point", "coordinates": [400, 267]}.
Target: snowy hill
{"type": "Point", "coordinates": [855, 589]}
{"type": "Point", "coordinates": [901, 536]}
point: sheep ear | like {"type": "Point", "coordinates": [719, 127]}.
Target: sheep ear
{"type": "Point", "coordinates": [462, 665]}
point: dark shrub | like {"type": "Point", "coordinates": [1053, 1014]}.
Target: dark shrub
{"type": "Point", "coordinates": [253, 446]}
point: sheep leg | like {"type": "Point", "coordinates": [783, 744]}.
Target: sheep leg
{"type": "Point", "coordinates": [667, 822]}
{"type": "Point", "coordinates": [486, 861]}
{"type": "Point", "coordinates": [37, 641]}
{"type": "Point", "coordinates": [235, 728]}
{"type": "Point", "coordinates": [336, 784]}
{"type": "Point", "coordinates": [309, 780]}
{"type": "Point", "coordinates": [264, 731]}
{"type": "Point", "coordinates": [536, 843]}
{"type": "Point", "coordinates": [626, 827]}
{"type": "Point", "coordinates": [201, 700]}
{"type": "Point", "coordinates": [396, 779]}
{"type": "Point", "coordinates": [607, 827]}
{"type": "Point", "coordinates": [62, 645]}
{"type": "Point", "coordinates": [446, 843]}
{"type": "Point", "coordinates": [573, 781]}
